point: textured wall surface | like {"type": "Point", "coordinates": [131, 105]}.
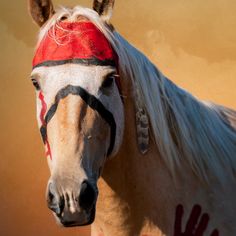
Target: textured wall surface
{"type": "Point", "coordinates": [192, 42]}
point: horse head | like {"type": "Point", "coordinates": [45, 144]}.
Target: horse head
{"type": "Point", "coordinates": [79, 107]}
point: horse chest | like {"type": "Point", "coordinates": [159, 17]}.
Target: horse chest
{"type": "Point", "coordinates": [120, 217]}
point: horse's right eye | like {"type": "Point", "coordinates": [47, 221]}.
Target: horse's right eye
{"type": "Point", "coordinates": [107, 83]}
{"type": "Point", "coordinates": [36, 84]}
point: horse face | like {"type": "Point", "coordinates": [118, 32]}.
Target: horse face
{"type": "Point", "coordinates": [79, 109]}
{"type": "Point", "coordinates": [78, 135]}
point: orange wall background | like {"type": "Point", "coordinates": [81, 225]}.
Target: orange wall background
{"type": "Point", "coordinates": [192, 42]}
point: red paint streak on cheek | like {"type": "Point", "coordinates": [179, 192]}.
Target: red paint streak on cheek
{"type": "Point", "coordinates": [49, 152]}
{"type": "Point", "coordinates": [42, 115]}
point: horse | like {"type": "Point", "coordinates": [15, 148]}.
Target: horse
{"type": "Point", "coordinates": [129, 152]}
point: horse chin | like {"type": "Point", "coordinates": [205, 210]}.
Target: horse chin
{"type": "Point", "coordinates": [91, 217]}
{"type": "Point", "coordinates": [81, 219]}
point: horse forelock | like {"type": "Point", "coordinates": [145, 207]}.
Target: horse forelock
{"type": "Point", "coordinates": [185, 129]}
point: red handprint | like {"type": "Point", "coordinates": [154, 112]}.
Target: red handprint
{"type": "Point", "coordinates": [195, 226]}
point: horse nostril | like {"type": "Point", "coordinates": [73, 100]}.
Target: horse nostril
{"type": "Point", "coordinates": [55, 202]}
{"type": "Point", "coordinates": [87, 196]}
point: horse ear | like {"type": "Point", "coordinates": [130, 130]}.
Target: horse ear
{"type": "Point", "coordinates": [40, 10]}
{"type": "Point", "coordinates": [104, 8]}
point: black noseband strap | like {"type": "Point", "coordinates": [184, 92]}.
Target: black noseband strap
{"type": "Point", "coordinates": [91, 101]}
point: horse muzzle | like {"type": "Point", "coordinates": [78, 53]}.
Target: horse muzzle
{"type": "Point", "coordinates": [73, 209]}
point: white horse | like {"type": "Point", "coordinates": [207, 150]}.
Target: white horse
{"type": "Point", "coordinates": [104, 110]}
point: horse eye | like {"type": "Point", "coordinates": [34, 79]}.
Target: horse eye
{"type": "Point", "coordinates": [63, 18]}
{"type": "Point", "coordinates": [107, 83]}
{"type": "Point", "coordinates": [36, 84]}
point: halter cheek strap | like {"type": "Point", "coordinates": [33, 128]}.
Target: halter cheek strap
{"type": "Point", "coordinates": [75, 43]}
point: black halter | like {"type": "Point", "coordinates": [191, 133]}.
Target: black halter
{"type": "Point", "coordinates": [91, 101]}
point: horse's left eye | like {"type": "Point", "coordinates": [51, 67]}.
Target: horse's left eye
{"type": "Point", "coordinates": [36, 84]}
{"type": "Point", "coordinates": [107, 83]}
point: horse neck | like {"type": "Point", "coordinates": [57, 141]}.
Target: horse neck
{"type": "Point", "coordinates": [135, 188]}
{"type": "Point", "coordinates": [138, 190]}
{"type": "Point", "coordinates": [131, 182]}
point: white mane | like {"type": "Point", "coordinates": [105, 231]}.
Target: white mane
{"type": "Point", "coordinates": [185, 129]}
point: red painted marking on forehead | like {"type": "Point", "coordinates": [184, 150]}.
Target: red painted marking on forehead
{"type": "Point", "coordinates": [42, 115]}
{"type": "Point", "coordinates": [74, 40]}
